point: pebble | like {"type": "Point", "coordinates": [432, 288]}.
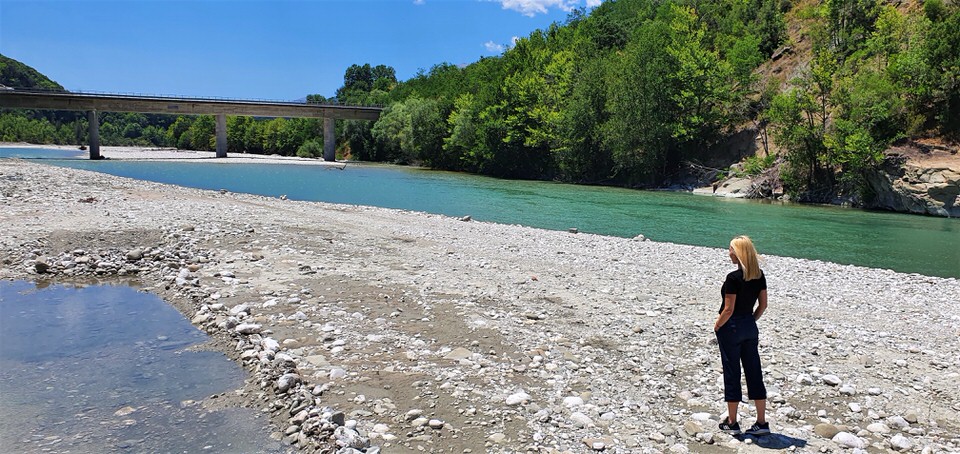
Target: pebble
{"type": "Point", "coordinates": [826, 430]}
{"type": "Point", "coordinates": [911, 416]}
{"type": "Point", "coordinates": [497, 438]}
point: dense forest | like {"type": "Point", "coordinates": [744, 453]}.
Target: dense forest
{"type": "Point", "coordinates": [632, 93]}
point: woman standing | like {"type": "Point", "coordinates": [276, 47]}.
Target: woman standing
{"type": "Point", "coordinates": [738, 336]}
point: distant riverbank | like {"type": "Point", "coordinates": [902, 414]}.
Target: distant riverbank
{"type": "Point", "coordinates": [173, 154]}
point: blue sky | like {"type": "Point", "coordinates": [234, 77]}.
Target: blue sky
{"type": "Point", "coordinates": [256, 49]}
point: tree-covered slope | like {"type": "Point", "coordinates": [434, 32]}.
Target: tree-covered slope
{"type": "Point", "coordinates": [18, 75]}
{"type": "Point", "coordinates": [636, 91]}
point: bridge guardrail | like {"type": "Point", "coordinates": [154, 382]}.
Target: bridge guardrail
{"type": "Point", "coordinates": [178, 97]}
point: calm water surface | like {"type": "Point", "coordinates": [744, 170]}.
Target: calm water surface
{"type": "Point", "coordinates": [907, 243]}
{"type": "Point", "coordinates": [105, 369]}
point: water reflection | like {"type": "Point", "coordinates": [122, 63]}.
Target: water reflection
{"type": "Point", "coordinates": [104, 369]}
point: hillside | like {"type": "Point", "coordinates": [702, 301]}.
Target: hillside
{"type": "Point", "coordinates": [18, 75]}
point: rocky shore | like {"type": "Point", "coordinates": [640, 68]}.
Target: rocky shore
{"type": "Point", "coordinates": [374, 330]}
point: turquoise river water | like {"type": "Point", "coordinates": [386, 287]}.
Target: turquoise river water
{"type": "Point", "coordinates": [902, 242]}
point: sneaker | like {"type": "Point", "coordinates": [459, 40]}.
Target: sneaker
{"type": "Point", "coordinates": [759, 429]}
{"type": "Point", "coordinates": [732, 429]}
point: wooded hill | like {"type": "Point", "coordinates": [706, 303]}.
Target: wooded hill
{"type": "Point", "coordinates": [638, 92]}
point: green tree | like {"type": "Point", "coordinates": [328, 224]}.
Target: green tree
{"type": "Point", "coordinates": [850, 23]}
{"type": "Point", "coordinates": [310, 149]}
{"type": "Point", "coordinates": [943, 57]}
{"type": "Point", "coordinates": [203, 134]}
{"type": "Point", "coordinates": [639, 132]}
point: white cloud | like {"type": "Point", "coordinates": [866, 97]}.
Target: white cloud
{"type": "Point", "coordinates": [493, 47]}
{"type": "Point", "coordinates": [593, 3]}
{"type": "Point", "coordinates": [419, 2]}
{"type": "Point", "coordinates": [533, 7]}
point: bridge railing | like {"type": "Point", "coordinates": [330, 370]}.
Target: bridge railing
{"type": "Point", "coordinates": [181, 98]}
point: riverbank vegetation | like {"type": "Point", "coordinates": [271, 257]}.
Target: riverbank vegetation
{"type": "Point", "coordinates": [630, 93]}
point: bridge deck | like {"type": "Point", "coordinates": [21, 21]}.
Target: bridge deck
{"type": "Point", "coordinates": [31, 99]}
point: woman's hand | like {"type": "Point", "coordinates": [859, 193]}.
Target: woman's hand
{"type": "Point", "coordinates": [729, 301]}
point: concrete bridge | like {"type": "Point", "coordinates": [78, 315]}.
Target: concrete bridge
{"type": "Point", "coordinates": [93, 102]}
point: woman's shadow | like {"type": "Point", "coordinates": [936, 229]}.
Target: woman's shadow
{"type": "Point", "coordinates": [773, 441]}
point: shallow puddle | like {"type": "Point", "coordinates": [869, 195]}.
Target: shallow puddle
{"type": "Point", "coordinates": [106, 369]}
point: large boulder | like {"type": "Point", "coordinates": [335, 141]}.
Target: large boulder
{"type": "Point", "coordinates": [913, 188]}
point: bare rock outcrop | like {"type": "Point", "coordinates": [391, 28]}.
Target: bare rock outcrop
{"type": "Point", "coordinates": [913, 188]}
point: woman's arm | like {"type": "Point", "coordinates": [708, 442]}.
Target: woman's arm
{"type": "Point", "coordinates": [761, 306]}
{"type": "Point", "coordinates": [729, 301]}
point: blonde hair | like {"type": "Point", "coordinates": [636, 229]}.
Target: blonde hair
{"type": "Point", "coordinates": [747, 256]}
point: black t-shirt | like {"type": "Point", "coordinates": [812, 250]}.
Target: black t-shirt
{"type": "Point", "coordinates": [747, 291]}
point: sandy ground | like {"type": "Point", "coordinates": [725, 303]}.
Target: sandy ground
{"type": "Point", "coordinates": [426, 333]}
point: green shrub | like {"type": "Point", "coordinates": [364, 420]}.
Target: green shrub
{"type": "Point", "coordinates": [310, 149]}
{"type": "Point", "coordinates": [755, 165]}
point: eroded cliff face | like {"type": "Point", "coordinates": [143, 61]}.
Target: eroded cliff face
{"type": "Point", "coordinates": [916, 188]}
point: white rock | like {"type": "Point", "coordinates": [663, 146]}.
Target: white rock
{"type": "Point", "coordinates": [248, 328]}
{"type": "Point", "coordinates": [854, 407]}
{"type": "Point", "coordinates": [419, 422]}
{"type": "Point", "coordinates": [901, 443]}
{"type": "Point", "coordinates": [849, 440]}
{"type": "Point", "coordinates": [580, 419]}
{"type": "Point", "coordinates": [269, 344]}
{"type": "Point", "coordinates": [878, 428]}
{"type": "Point", "coordinates": [287, 381]}
{"type": "Point", "coordinates": [572, 401]}
{"type": "Point", "coordinates": [831, 380]}
{"type": "Point", "coordinates": [337, 373]}
{"type": "Point", "coordinates": [700, 417]}
{"type": "Point", "coordinates": [517, 398]}
{"type": "Point", "coordinates": [897, 422]}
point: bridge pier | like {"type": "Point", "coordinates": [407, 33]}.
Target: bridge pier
{"type": "Point", "coordinates": [329, 139]}
{"type": "Point", "coordinates": [221, 135]}
{"type": "Point", "coordinates": [93, 130]}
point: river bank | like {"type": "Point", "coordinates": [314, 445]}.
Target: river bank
{"type": "Point", "coordinates": [411, 331]}
{"type": "Point", "coordinates": [177, 155]}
